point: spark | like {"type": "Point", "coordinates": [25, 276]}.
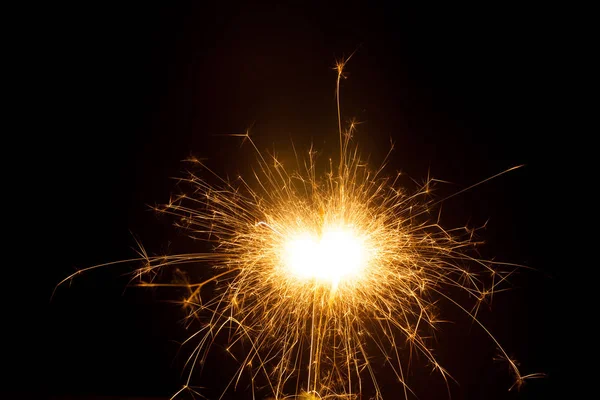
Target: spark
{"type": "Point", "coordinates": [318, 273]}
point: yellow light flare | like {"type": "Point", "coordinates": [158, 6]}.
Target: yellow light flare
{"type": "Point", "coordinates": [337, 254]}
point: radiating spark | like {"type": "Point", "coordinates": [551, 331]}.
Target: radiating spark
{"type": "Point", "coordinates": [317, 273]}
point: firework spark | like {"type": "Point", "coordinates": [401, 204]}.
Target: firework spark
{"type": "Point", "coordinates": [317, 273]}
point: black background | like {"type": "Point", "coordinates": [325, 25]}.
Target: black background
{"type": "Point", "coordinates": [122, 94]}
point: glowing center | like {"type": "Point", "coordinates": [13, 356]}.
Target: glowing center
{"type": "Point", "coordinates": [336, 254]}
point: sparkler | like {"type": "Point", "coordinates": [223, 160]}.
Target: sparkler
{"type": "Point", "coordinates": [313, 271]}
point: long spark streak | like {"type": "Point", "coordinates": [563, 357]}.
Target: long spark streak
{"type": "Point", "coordinates": [328, 267]}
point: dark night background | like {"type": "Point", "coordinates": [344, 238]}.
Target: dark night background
{"type": "Point", "coordinates": [126, 92]}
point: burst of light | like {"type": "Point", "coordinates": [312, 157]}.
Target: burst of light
{"type": "Point", "coordinates": [317, 272]}
{"type": "Point", "coordinates": [337, 254]}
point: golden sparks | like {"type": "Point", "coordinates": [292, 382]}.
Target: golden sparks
{"type": "Point", "coordinates": [316, 274]}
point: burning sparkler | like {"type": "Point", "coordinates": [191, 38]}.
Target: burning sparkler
{"type": "Point", "coordinates": [313, 270]}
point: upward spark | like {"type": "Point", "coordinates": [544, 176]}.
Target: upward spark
{"type": "Point", "coordinates": [315, 275]}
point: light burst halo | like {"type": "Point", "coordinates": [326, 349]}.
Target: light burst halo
{"type": "Point", "coordinates": [337, 254]}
